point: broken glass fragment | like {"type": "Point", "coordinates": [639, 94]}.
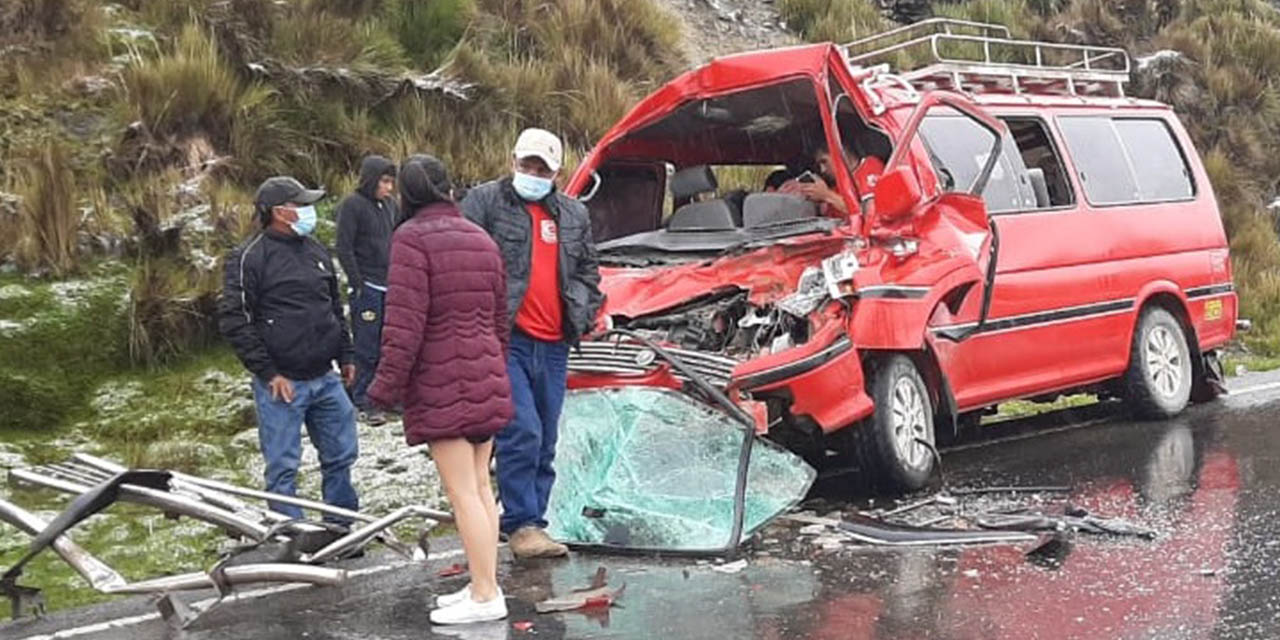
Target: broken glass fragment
{"type": "Point", "coordinates": [649, 468]}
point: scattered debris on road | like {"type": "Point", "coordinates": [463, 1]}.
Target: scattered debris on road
{"type": "Point", "coordinates": [730, 568]}
{"type": "Point", "coordinates": [598, 595]}
{"type": "Point", "coordinates": [451, 570]}
{"type": "Point", "coordinates": [974, 518]}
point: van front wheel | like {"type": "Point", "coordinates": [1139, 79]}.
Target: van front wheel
{"type": "Point", "coordinates": [1158, 382]}
{"type": "Point", "coordinates": [889, 443]}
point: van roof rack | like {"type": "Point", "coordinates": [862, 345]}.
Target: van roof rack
{"type": "Point", "coordinates": [977, 57]}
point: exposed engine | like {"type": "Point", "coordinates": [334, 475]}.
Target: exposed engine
{"type": "Point", "coordinates": [724, 322]}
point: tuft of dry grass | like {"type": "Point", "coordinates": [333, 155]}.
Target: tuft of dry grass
{"type": "Point", "coordinates": [170, 311]}
{"type": "Point", "coordinates": [48, 219]}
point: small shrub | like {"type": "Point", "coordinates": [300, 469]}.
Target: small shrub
{"type": "Point", "coordinates": [48, 218]}
{"type": "Point", "coordinates": [187, 91]}
{"type": "Point", "coordinates": [428, 30]}
{"type": "Point", "coordinates": [170, 311]}
{"type": "Point", "coordinates": [31, 403]}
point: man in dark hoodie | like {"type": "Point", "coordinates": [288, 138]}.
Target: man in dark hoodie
{"type": "Point", "coordinates": [366, 219]}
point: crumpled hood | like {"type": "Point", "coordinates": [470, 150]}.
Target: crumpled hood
{"type": "Point", "coordinates": [372, 168]}
{"type": "Point", "coordinates": [769, 274]}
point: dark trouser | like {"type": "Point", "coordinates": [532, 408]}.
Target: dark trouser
{"type": "Point", "coordinates": [322, 405]}
{"type": "Point", "coordinates": [366, 333]}
{"type": "Point", "coordinates": [526, 447]}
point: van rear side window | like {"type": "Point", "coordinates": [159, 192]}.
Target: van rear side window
{"type": "Point", "coordinates": [1158, 163]}
{"type": "Point", "coordinates": [1127, 160]}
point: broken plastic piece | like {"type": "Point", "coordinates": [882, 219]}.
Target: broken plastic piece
{"type": "Point", "coordinates": [598, 595]}
{"type": "Point", "coordinates": [450, 571]}
{"type": "Point", "coordinates": [523, 625]}
{"type": "Point", "coordinates": [1086, 524]}
{"type": "Point", "coordinates": [657, 470]}
{"type": "Point", "coordinates": [871, 531]}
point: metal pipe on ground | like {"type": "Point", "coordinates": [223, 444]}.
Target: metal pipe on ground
{"type": "Point", "coordinates": [242, 492]}
{"type": "Point", "coordinates": [106, 580]}
{"type": "Point", "coordinates": [163, 500]}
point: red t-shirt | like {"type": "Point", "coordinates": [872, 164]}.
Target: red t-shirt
{"type": "Point", "coordinates": [540, 315]}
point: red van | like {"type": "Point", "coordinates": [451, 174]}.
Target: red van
{"type": "Point", "coordinates": [1000, 222]}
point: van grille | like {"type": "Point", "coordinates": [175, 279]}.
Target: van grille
{"type": "Point", "coordinates": [630, 358]}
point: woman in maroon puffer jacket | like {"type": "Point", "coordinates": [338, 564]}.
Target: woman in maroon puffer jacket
{"type": "Point", "coordinates": [444, 342]}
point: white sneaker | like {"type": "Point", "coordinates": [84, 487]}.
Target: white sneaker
{"type": "Point", "coordinates": [468, 611]}
{"type": "Point", "coordinates": [450, 599]}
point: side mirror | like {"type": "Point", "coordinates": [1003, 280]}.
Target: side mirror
{"type": "Point", "coordinates": [896, 194]}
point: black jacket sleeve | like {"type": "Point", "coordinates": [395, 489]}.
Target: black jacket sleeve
{"type": "Point", "coordinates": [235, 312]}
{"type": "Point", "coordinates": [475, 207]}
{"type": "Point", "coordinates": [348, 230]}
{"type": "Point", "coordinates": [346, 350]}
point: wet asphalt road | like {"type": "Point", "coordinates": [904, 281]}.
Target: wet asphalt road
{"type": "Point", "coordinates": [1208, 482]}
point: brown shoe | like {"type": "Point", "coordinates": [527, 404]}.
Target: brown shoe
{"type": "Point", "coordinates": [532, 542]}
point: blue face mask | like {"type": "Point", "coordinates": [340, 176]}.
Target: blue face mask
{"type": "Point", "coordinates": [306, 222]}
{"type": "Point", "coordinates": [531, 188]}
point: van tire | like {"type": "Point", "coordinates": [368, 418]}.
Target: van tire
{"type": "Point", "coordinates": [1158, 382]}
{"type": "Point", "coordinates": [903, 412]}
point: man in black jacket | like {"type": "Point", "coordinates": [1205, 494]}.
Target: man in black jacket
{"type": "Point", "coordinates": [281, 312]}
{"type": "Point", "coordinates": [366, 219]}
{"type": "Point", "coordinates": [553, 294]}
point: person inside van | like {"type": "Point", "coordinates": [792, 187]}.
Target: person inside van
{"type": "Point", "coordinates": [819, 186]}
{"type": "Point", "coordinates": [775, 180]}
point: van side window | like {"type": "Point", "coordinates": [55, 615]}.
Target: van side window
{"type": "Point", "coordinates": [1100, 160]}
{"type": "Point", "coordinates": [1158, 163]}
{"type": "Point", "coordinates": [1045, 171]}
{"type": "Point", "coordinates": [1127, 160]}
{"type": "Point", "coordinates": [958, 147]}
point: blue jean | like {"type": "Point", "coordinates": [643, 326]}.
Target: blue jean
{"type": "Point", "coordinates": [366, 332]}
{"type": "Point", "coordinates": [526, 448]}
{"type": "Point", "coordinates": [322, 405]}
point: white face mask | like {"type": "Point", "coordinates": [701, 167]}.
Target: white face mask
{"type": "Point", "coordinates": [306, 222]}
{"type": "Point", "coordinates": [531, 188]}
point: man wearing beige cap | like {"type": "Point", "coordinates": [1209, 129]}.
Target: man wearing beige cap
{"type": "Point", "coordinates": [553, 295]}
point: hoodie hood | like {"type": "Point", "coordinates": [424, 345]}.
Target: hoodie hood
{"type": "Point", "coordinates": [372, 168]}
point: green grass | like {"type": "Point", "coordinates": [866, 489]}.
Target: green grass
{"type": "Point", "coordinates": [1247, 363]}
{"type": "Point", "coordinates": [1026, 408]}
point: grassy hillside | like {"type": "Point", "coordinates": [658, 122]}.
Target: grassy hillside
{"type": "Point", "coordinates": [132, 134]}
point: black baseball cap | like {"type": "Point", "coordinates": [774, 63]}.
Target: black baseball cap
{"type": "Point", "coordinates": [282, 190]}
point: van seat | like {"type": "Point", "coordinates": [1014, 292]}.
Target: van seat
{"type": "Point", "coordinates": [1040, 186]}
{"type": "Point", "coordinates": [693, 181]}
{"type": "Point", "coordinates": [766, 209]}
{"type": "Point", "coordinates": [709, 215]}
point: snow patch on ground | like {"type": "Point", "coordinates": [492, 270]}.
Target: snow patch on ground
{"type": "Point", "coordinates": [1159, 56]}
{"type": "Point", "coordinates": [114, 397]}
{"type": "Point", "coordinates": [11, 328]}
{"type": "Point", "coordinates": [14, 292]}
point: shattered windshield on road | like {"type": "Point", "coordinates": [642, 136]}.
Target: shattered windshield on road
{"type": "Point", "coordinates": [653, 469]}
